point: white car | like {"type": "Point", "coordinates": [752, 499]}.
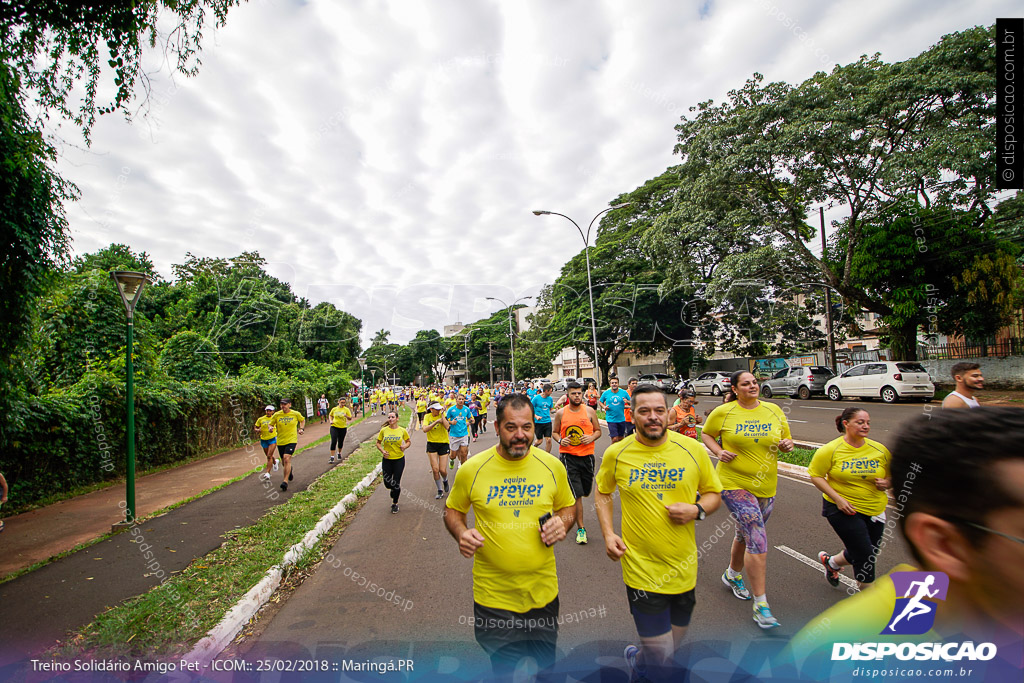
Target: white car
{"type": "Point", "coordinates": [560, 385]}
{"type": "Point", "coordinates": [714, 383]}
{"type": "Point", "coordinates": [888, 380]}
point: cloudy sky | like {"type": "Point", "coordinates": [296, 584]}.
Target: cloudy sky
{"type": "Point", "coordinates": [386, 154]}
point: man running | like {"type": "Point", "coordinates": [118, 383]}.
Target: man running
{"type": "Point", "coordinates": [392, 441]}
{"type": "Point", "coordinates": [288, 424]}
{"type": "Point", "coordinates": [485, 402]}
{"type": "Point", "coordinates": [268, 440]}
{"type": "Point", "coordinates": [542, 404]}
{"type": "Point", "coordinates": [613, 402]}
{"type": "Point", "coordinates": [515, 579]}
{"type": "Point", "coordinates": [660, 476]}
{"type": "Point", "coordinates": [968, 379]}
{"type": "Point", "coordinates": [340, 415]}
{"type": "Point", "coordinates": [458, 417]}
{"type": "Point", "coordinates": [577, 428]}
{"type": "Point", "coordinates": [435, 426]}
{"type": "Point", "coordinates": [323, 405]}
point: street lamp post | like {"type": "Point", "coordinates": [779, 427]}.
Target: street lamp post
{"type": "Point", "coordinates": [362, 392]}
{"type": "Point", "coordinates": [129, 286]}
{"type": "Point", "coordinates": [511, 335]}
{"type": "Point", "coordinates": [590, 287]}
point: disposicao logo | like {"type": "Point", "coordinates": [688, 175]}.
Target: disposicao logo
{"type": "Point", "coordinates": [914, 613]}
{"type": "Point", "coordinates": [917, 596]}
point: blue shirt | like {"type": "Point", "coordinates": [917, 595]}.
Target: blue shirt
{"type": "Point", "coordinates": [616, 405]}
{"type": "Point", "coordinates": [542, 408]}
{"type": "Point", "coordinates": [459, 420]}
{"type": "Point", "coordinates": [530, 393]}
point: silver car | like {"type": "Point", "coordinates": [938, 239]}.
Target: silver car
{"type": "Point", "coordinates": [714, 383]}
{"type": "Point", "coordinates": [658, 379]}
{"type": "Point", "coordinates": [803, 382]}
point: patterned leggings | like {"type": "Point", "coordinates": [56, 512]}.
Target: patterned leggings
{"type": "Point", "coordinates": [750, 513]}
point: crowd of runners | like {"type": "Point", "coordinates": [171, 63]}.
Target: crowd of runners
{"type": "Point", "coordinates": [527, 493]}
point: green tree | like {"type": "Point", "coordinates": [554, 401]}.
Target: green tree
{"type": "Point", "coordinates": [188, 357]}
{"type": "Point", "coordinates": [329, 335]}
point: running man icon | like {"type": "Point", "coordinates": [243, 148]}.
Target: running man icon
{"type": "Point", "coordinates": [916, 587]}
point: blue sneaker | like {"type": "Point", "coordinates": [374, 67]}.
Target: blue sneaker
{"type": "Point", "coordinates": [763, 616]}
{"type": "Point", "coordinates": [738, 589]}
{"type": "Point", "coordinates": [636, 673]}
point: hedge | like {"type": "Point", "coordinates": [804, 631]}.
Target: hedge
{"type": "Point", "coordinates": [63, 441]}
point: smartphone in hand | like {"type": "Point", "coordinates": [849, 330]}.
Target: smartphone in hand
{"type": "Point", "coordinates": [542, 521]}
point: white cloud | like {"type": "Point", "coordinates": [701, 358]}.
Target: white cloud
{"type": "Point", "coordinates": [375, 146]}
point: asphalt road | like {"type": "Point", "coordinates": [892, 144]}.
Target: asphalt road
{"type": "Point", "coordinates": [395, 587]}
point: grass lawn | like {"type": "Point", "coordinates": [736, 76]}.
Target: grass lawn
{"type": "Point", "coordinates": [172, 617]}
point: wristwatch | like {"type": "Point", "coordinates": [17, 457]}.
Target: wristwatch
{"type": "Point", "coordinates": [700, 513]}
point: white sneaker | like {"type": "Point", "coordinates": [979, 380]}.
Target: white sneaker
{"type": "Point", "coordinates": [275, 465]}
{"type": "Point", "coordinates": [265, 476]}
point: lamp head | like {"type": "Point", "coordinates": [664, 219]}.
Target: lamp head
{"type": "Point", "coordinates": [129, 286]}
{"type": "Point", "coordinates": [541, 213]}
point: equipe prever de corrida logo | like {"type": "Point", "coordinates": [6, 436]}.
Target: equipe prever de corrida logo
{"type": "Point", "coordinates": [917, 596]}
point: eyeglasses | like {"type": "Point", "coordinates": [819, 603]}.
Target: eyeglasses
{"type": "Point", "coordinates": [1015, 539]}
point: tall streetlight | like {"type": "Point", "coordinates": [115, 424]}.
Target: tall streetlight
{"type": "Point", "coordinates": [590, 287]}
{"type": "Point", "coordinates": [511, 335]}
{"type": "Point", "coordinates": [362, 392]}
{"type": "Point", "coordinates": [129, 286]}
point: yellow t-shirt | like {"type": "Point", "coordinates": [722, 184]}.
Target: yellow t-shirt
{"type": "Point", "coordinates": [449, 402]}
{"type": "Point", "coordinates": [421, 406]}
{"type": "Point", "coordinates": [392, 439]}
{"type": "Point", "coordinates": [751, 435]}
{"type": "Point", "coordinates": [485, 401]}
{"type": "Point", "coordinates": [662, 555]}
{"type": "Point", "coordinates": [513, 570]}
{"type": "Point", "coordinates": [438, 435]}
{"type": "Point", "coordinates": [852, 471]}
{"type": "Point", "coordinates": [264, 423]}
{"type": "Point", "coordinates": [287, 426]}
{"type": "Point", "coordinates": [340, 417]}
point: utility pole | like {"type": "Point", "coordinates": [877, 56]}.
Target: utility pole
{"type": "Point", "coordinates": [465, 341]}
{"type": "Point", "coordinates": [828, 299]}
{"type": "Point", "coordinates": [490, 360]}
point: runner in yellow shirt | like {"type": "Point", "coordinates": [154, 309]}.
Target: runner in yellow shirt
{"type": "Point", "coordinates": [288, 424]}
{"type": "Point", "coordinates": [485, 402]}
{"type": "Point", "coordinates": [852, 473]}
{"type": "Point", "coordinates": [660, 475]}
{"type": "Point", "coordinates": [435, 426]}
{"type": "Point", "coordinates": [392, 441]}
{"type": "Point", "coordinates": [340, 415]}
{"type": "Point", "coordinates": [522, 506]}
{"type": "Point", "coordinates": [268, 440]}
{"type": "Point", "coordinates": [752, 432]}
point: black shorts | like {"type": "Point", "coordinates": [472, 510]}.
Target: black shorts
{"type": "Point", "coordinates": [542, 430]}
{"type": "Point", "coordinates": [507, 637]}
{"type": "Point", "coordinates": [439, 448]}
{"type": "Point", "coordinates": [286, 449]}
{"type": "Point", "coordinates": [656, 613]}
{"type": "Point", "coordinates": [420, 415]}
{"type": "Point", "coordinates": [580, 471]}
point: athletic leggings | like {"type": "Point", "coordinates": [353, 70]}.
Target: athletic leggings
{"type": "Point", "coordinates": [860, 535]}
{"type": "Point", "coordinates": [750, 513]}
{"type": "Point", "coordinates": [392, 469]}
{"type": "Point", "coordinates": [473, 425]}
{"type": "Point", "coordinates": [338, 437]}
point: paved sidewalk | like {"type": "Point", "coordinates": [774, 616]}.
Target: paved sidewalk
{"type": "Point", "coordinates": [42, 606]}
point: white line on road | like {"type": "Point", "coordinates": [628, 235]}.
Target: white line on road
{"type": "Point", "coordinates": [792, 420]}
{"type": "Point", "coordinates": [847, 581]}
{"type": "Point", "coordinates": [819, 408]}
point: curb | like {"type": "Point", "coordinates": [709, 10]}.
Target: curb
{"type": "Point", "coordinates": [238, 616]}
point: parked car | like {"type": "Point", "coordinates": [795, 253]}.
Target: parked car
{"type": "Point", "coordinates": [714, 383]}
{"type": "Point", "coordinates": [658, 379]}
{"type": "Point", "coordinates": [561, 384]}
{"type": "Point", "coordinates": [888, 380]}
{"type": "Point", "coordinates": [803, 382]}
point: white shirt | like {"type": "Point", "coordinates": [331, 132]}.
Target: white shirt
{"type": "Point", "coordinates": [971, 402]}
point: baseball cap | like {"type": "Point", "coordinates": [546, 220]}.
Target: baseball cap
{"type": "Point", "coordinates": [269, 408]}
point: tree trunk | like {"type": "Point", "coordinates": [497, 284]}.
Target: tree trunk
{"type": "Point", "coordinates": [903, 341]}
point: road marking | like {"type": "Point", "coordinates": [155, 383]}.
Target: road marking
{"type": "Point", "coordinates": [819, 408]}
{"type": "Point", "coordinates": [847, 581]}
{"type": "Point", "coordinates": [795, 420]}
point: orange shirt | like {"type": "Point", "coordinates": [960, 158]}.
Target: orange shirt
{"type": "Point", "coordinates": [687, 417]}
{"type": "Point", "coordinates": [575, 425]}
{"type": "Point", "coordinates": [629, 411]}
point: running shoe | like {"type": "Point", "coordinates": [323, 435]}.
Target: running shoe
{"type": "Point", "coordinates": [831, 574]}
{"type": "Point", "coordinates": [736, 584]}
{"type": "Point", "coordinates": [440, 494]}
{"type": "Point", "coordinates": [581, 536]}
{"type": "Point", "coordinates": [276, 463]}
{"type": "Point", "coordinates": [265, 476]}
{"type": "Point", "coordinates": [447, 488]}
{"type": "Point", "coordinates": [636, 673]}
{"type": "Point", "coordinates": [331, 460]}
{"type": "Point", "coordinates": [451, 463]}
{"type": "Point", "coordinates": [763, 616]}
{"type": "Point", "coordinates": [394, 508]}
{"type": "Point", "coordinates": [284, 486]}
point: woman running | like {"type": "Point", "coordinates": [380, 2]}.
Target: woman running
{"type": "Point", "coordinates": [392, 441]}
{"type": "Point", "coordinates": [683, 417]}
{"type": "Point", "coordinates": [852, 473]}
{"type": "Point", "coordinates": [421, 408]}
{"type": "Point", "coordinates": [435, 426]}
{"type": "Point", "coordinates": [268, 440]}
{"type": "Point", "coordinates": [474, 414]}
{"type": "Point", "coordinates": [340, 415]}
{"type": "Point", "coordinates": [752, 432]}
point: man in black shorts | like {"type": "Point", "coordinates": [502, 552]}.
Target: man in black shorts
{"type": "Point", "coordinates": [577, 428]}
